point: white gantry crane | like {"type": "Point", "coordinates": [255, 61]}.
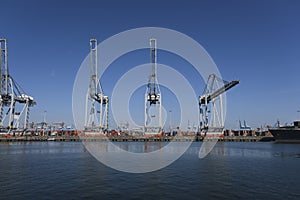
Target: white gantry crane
{"type": "Point", "coordinates": [211, 105]}
{"type": "Point", "coordinates": [153, 104]}
{"type": "Point", "coordinates": [14, 103]}
{"type": "Point", "coordinates": [96, 116]}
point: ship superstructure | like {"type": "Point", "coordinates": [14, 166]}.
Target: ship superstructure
{"type": "Point", "coordinates": [287, 133]}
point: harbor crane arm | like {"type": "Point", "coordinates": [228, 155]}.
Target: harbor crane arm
{"type": "Point", "coordinates": [212, 98]}
{"type": "Point", "coordinates": [218, 92]}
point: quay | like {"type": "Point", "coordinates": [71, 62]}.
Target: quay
{"type": "Point", "coordinates": [133, 139]}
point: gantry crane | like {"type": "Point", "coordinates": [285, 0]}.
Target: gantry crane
{"type": "Point", "coordinates": [153, 105]}
{"type": "Point", "coordinates": [14, 102]}
{"type": "Point", "coordinates": [95, 98]}
{"type": "Point", "coordinates": [211, 104]}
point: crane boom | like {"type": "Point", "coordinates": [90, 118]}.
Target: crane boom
{"type": "Point", "coordinates": [211, 104]}
{"type": "Point", "coordinates": [209, 97]}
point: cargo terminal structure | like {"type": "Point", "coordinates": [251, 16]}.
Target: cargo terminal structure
{"type": "Point", "coordinates": [14, 102]}
{"type": "Point", "coordinates": [211, 116]}
{"type": "Point", "coordinates": [96, 111]}
{"type": "Point", "coordinates": [153, 96]}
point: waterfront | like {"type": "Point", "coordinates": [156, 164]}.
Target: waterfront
{"type": "Point", "coordinates": [134, 138]}
{"type": "Point", "coordinates": [65, 170]}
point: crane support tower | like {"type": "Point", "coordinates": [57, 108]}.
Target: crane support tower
{"type": "Point", "coordinates": [211, 105]}
{"type": "Point", "coordinates": [14, 102]}
{"type": "Point", "coordinates": [96, 116]}
{"type": "Point", "coordinates": [153, 104]}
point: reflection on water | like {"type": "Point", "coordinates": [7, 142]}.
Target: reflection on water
{"type": "Point", "coordinates": [231, 149]}
{"type": "Point", "coordinates": [143, 157]}
{"type": "Point", "coordinates": [65, 170]}
{"type": "Point", "coordinates": [39, 148]}
{"type": "Point", "coordinates": [140, 147]}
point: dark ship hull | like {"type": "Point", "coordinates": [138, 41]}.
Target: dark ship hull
{"type": "Point", "coordinates": [287, 133]}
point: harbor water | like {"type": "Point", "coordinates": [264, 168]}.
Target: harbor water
{"type": "Point", "coordinates": [233, 170]}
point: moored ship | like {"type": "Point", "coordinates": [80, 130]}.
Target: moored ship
{"type": "Point", "coordinates": [287, 133]}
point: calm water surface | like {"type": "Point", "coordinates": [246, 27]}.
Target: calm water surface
{"type": "Point", "coordinates": [65, 170]}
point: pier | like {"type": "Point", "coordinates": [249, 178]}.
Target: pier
{"type": "Point", "coordinates": [133, 139]}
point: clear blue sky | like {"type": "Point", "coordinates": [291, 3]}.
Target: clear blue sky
{"type": "Point", "coordinates": [257, 42]}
